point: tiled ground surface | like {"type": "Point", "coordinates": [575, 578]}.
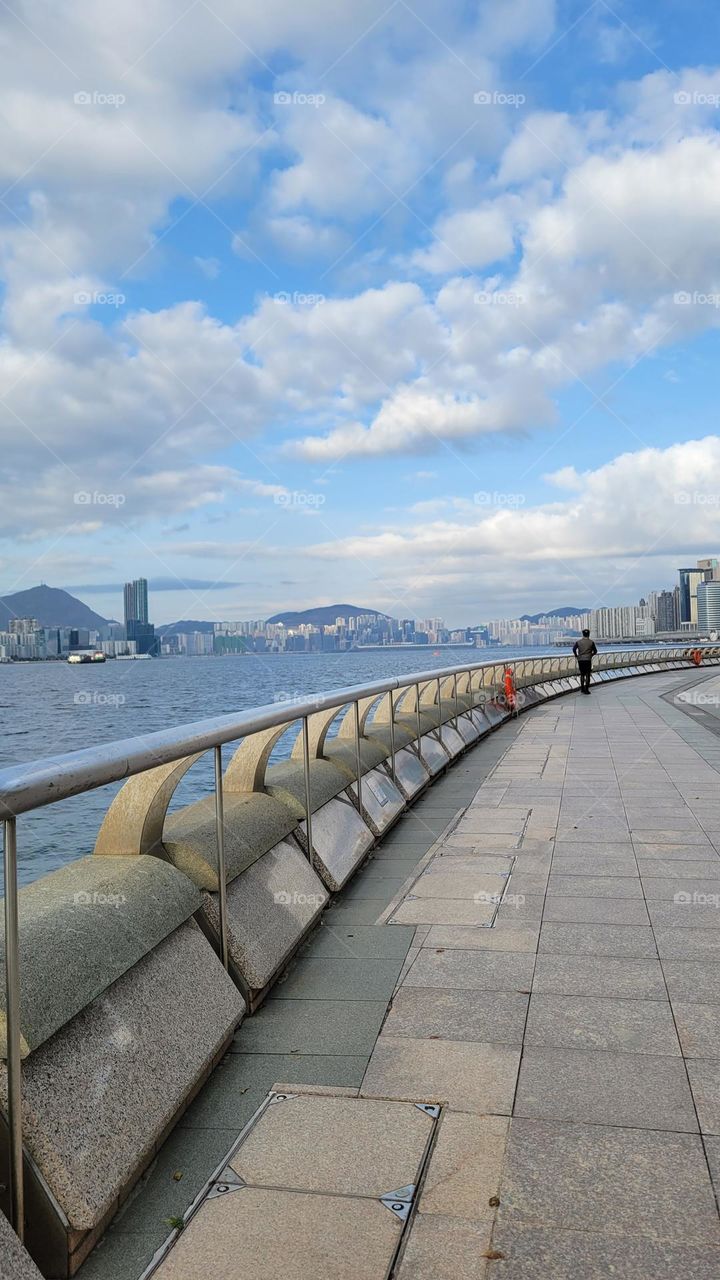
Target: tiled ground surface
{"type": "Point", "coordinates": [587, 1019]}
{"type": "Point", "coordinates": [319, 1026]}
{"type": "Point", "coordinates": [573, 1045]}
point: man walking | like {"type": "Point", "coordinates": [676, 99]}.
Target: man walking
{"type": "Point", "coordinates": [585, 650]}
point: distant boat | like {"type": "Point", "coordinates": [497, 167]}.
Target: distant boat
{"type": "Point", "coordinates": [98, 656]}
{"type": "Point", "coordinates": [75, 658]}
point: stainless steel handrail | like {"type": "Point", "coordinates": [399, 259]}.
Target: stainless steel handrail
{"type": "Point", "coordinates": [31, 786]}
{"type": "Point", "coordinates": [42, 782]}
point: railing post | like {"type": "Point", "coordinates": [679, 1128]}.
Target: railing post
{"type": "Point", "coordinates": [417, 719]}
{"type": "Point", "coordinates": [439, 700]}
{"type": "Point", "coordinates": [306, 772]}
{"type": "Point", "coordinates": [456, 700]}
{"type": "Point", "coordinates": [12, 995]}
{"type": "Point", "coordinates": [392, 735]}
{"type": "Point", "coordinates": [358, 758]}
{"type": "Point", "coordinates": [220, 839]}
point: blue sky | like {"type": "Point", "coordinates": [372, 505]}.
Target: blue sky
{"type": "Point", "coordinates": [412, 305]}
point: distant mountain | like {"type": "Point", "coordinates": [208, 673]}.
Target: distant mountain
{"type": "Point", "coordinates": [52, 608]}
{"type": "Point", "coordinates": [185, 627]}
{"type": "Point", "coordinates": [568, 611]}
{"type": "Point", "coordinates": [323, 617]}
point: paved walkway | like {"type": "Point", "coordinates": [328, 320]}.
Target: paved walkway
{"type": "Point", "coordinates": [557, 1017]}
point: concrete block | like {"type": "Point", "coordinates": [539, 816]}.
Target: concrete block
{"type": "Point", "coordinates": [382, 800]}
{"type": "Point", "coordinates": [253, 823]}
{"type": "Point", "coordinates": [411, 774]}
{"type": "Point", "coordinates": [81, 928]}
{"type": "Point", "coordinates": [435, 757]}
{"type": "Point", "coordinates": [100, 1095]}
{"type": "Point", "coordinates": [286, 782]}
{"type": "Point", "coordinates": [340, 841]}
{"type": "Point", "coordinates": [452, 741]}
{"type": "Point", "coordinates": [271, 907]}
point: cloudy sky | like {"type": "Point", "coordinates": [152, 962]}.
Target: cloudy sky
{"type": "Point", "coordinates": [412, 305]}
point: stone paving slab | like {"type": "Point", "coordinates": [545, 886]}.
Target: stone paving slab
{"type": "Point", "coordinates": [458, 1015]}
{"type": "Point", "coordinates": [618, 1025]}
{"type": "Point", "coordinates": [530, 1253]}
{"type": "Point", "coordinates": [471, 970]}
{"type": "Point", "coordinates": [605, 1088]}
{"type": "Point", "coordinates": [596, 1178]}
{"type": "Point", "coordinates": [469, 1076]}
{"type": "Point", "coordinates": [610, 976]}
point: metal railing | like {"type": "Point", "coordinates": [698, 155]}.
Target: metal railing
{"type": "Point", "coordinates": [27, 787]}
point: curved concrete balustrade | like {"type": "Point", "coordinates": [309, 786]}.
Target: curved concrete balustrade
{"type": "Point", "coordinates": [125, 1009]}
{"type": "Point", "coordinates": [125, 1006]}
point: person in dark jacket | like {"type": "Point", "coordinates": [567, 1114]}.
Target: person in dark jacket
{"type": "Point", "coordinates": [585, 650]}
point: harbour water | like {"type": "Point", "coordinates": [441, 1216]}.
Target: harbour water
{"type": "Point", "coordinates": [50, 708]}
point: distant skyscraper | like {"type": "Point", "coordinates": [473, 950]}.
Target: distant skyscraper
{"type": "Point", "coordinates": [689, 581]}
{"type": "Point", "coordinates": [666, 615]}
{"type": "Point", "coordinates": [136, 601]}
{"type": "Point", "coordinates": [708, 607]}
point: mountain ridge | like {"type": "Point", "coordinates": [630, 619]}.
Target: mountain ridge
{"type": "Point", "coordinates": [52, 606]}
{"type": "Point", "coordinates": [322, 615]}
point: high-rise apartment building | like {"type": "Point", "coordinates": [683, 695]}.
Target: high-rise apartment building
{"type": "Point", "coordinates": [136, 601]}
{"type": "Point", "coordinates": [689, 582]}
{"type": "Point", "coordinates": [708, 607]}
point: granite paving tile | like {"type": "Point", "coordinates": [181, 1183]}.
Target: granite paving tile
{"type": "Point", "coordinates": [688, 910]}
{"type": "Point", "coordinates": [446, 1248]}
{"type": "Point", "coordinates": [472, 970]}
{"type": "Point", "coordinates": [458, 1015]}
{"type": "Point", "coordinates": [688, 944]}
{"type": "Point", "coordinates": [467, 1076]}
{"type": "Point", "coordinates": [530, 1253]}
{"type": "Point", "coordinates": [579, 886]}
{"type": "Point", "coordinates": [501, 937]}
{"type": "Point", "coordinates": [465, 1166]}
{"type": "Point", "coordinates": [349, 978]}
{"type": "Point", "coordinates": [344, 1027]}
{"type": "Point", "coordinates": [358, 940]}
{"type": "Point", "coordinates": [603, 1088]}
{"type": "Point", "coordinates": [617, 1025]}
{"type": "Point", "coordinates": [704, 1076]}
{"type": "Point", "coordinates": [595, 1178]}
{"type": "Point", "coordinates": [596, 939]}
{"type": "Point", "coordinates": [591, 910]}
{"type": "Point", "coordinates": [693, 980]}
{"type": "Point", "coordinates": [599, 976]}
{"type": "Point", "coordinates": [698, 1028]}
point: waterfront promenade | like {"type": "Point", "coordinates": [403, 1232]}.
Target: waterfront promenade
{"type": "Point", "coordinates": [564, 1047]}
